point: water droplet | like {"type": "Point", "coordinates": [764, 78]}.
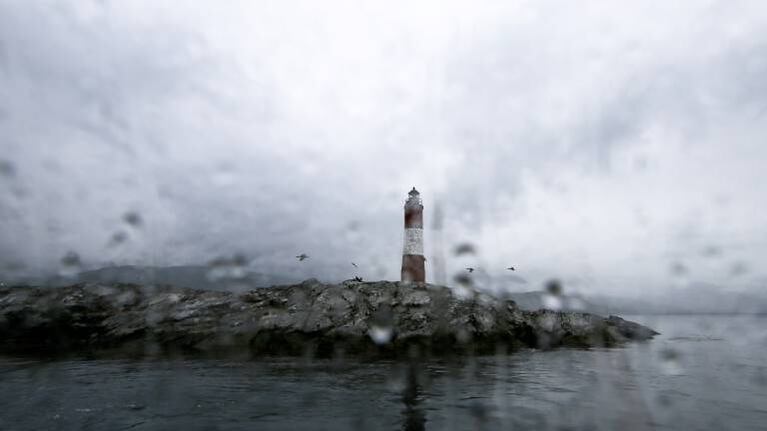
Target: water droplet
{"type": "Point", "coordinates": [118, 238]}
{"type": "Point", "coordinates": [711, 251]}
{"type": "Point", "coordinates": [479, 412]}
{"type": "Point", "coordinates": [670, 362]}
{"type": "Point", "coordinates": [463, 336]}
{"type": "Point", "coordinates": [463, 279]}
{"type": "Point", "coordinates": [640, 163]}
{"type": "Point", "coordinates": [133, 218]}
{"type": "Point", "coordinates": [547, 322]}
{"type": "Point", "coordinates": [70, 259]}
{"type": "Point", "coordinates": [381, 323]}
{"type": "Point", "coordinates": [554, 287]}
{"type": "Point", "coordinates": [70, 264]}
{"type": "Point", "coordinates": [464, 248]}
{"type": "Point", "coordinates": [228, 268]}
{"type": "Point", "coordinates": [463, 292]}
{"type": "Point", "coordinates": [380, 334]}
{"type": "Point", "coordinates": [664, 400]}
{"type": "Point", "coordinates": [761, 377]}
{"type": "Point", "coordinates": [152, 317]}
{"type": "Point", "coordinates": [551, 302]}
{"type": "Point", "coordinates": [577, 304]}
{"type": "Point", "coordinates": [126, 298]}
{"type": "Point", "coordinates": [311, 398]}
{"type": "Point", "coordinates": [7, 168]}
{"type": "Point", "coordinates": [485, 299]}
{"type": "Point", "coordinates": [105, 291]}
{"type": "Point", "coordinates": [738, 268]}
{"type": "Point", "coordinates": [678, 269]}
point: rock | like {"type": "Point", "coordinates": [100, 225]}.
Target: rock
{"type": "Point", "coordinates": [378, 318]}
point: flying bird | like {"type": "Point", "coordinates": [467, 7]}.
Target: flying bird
{"type": "Point", "coordinates": [511, 268]}
{"type": "Point", "coordinates": [301, 257]}
{"type": "Point", "coordinates": [470, 270]}
{"type": "Point", "coordinates": [359, 279]}
{"type": "Point", "coordinates": [354, 264]}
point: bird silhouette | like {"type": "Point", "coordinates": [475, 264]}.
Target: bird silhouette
{"type": "Point", "coordinates": [354, 264]}
{"type": "Point", "coordinates": [470, 270]}
{"type": "Point", "coordinates": [359, 279]}
{"type": "Point", "coordinates": [301, 257]}
{"type": "Point", "coordinates": [511, 268]}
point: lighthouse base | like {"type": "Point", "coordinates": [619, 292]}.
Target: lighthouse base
{"type": "Point", "coordinates": [413, 268]}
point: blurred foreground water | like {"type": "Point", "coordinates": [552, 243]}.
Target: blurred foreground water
{"type": "Point", "coordinates": [703, 372]}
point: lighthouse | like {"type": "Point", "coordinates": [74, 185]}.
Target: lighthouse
{"type": "Point", "coordinates": [413, 262]}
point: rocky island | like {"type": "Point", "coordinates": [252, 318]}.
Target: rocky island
{"type": "Point", "coordinates": [310, 318]}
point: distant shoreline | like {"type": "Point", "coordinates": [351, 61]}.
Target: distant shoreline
{"type": "Point", "coordinates": [688, 314]}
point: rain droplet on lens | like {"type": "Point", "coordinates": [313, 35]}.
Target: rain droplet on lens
{"type": "Point", "coordinates": [761, 377]}
{"type": "Point", "coordinates": [133, 218]}
{"type": "Point", "coordinates": [463, 279]}
{"type": "Point", "coordinates": [551, 302]}
{"type": "Point", "coordinates": [70, 264]}
{"type": "Point", "coordinates": [711, 251]}
{"type": "Point", "coordinates": [228, 268]}
{"type": "Point", "coordinates": [126, 298]}
{"type": "Point", "coordinates": [464, 248]}
{"type": "Point", "coordinates": [670, 362]}
{"type": "Point", "coordinates": [554, 287]}
{"type": "Point", "coordinates": [7, 168]}
{"type": "Point", "coordinates": [738, 269]}
{"type": "Point", "coordinates": [669, 355]}
{"type": "Point", "coordinates": [224, 175]}
{"type": "Point", "coordinates": [479, 412]}
{"type": "Point", "coordinates": [381, 329]}
{"type": "Point", "coordinates": [380, 334]}
{"type": "Point", "coordinates": [70, 259]}
{"type": "Point", "coordinates": [118, 237]}
{"type": "Point", "coordinates": [310, 398]}
{"type": "Point", "coordinates": [678, 269]}
{"type": "Point", "coordinates": [640, 163]}
{"type": "Point", "coordinates": [463, 336]}
{"type": "Point", "coordinates": [577, 304]}
{"type": "Point", "coordinates": [664, 400]}
{"type": "Point", "coordinates": [464, 288]}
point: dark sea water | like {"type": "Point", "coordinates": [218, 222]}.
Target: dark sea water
{"type": "Point", "coordinates": [703, 372]}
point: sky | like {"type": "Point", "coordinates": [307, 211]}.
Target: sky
{"type": "Point", "coordinates": [617, 146]}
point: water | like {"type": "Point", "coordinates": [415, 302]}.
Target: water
{"type": "Point", "coordinates": [704, 372]}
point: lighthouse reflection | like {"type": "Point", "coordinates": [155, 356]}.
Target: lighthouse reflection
{"type": "Point", "coordinates": [414, 418]}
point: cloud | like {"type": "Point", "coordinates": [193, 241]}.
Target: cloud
{"type": "Point", "coordinates": [594, 142]}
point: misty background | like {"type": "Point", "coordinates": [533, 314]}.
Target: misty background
{"type": "Point", "coordinates": [618, 148]}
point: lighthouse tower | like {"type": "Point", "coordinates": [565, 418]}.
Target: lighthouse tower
{"type": "Point", "coordinates": [413, 268]}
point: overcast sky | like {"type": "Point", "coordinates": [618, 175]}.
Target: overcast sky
{"type": "Point", "coordinates": [619, 146]}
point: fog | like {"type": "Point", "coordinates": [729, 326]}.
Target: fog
{"type": "Point", "coordinates": [619, 148]}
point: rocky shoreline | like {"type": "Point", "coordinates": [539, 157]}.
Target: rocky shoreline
{"type": "Point", "coordinates": [306, 319]}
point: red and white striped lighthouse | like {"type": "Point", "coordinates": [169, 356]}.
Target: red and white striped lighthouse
{"type": "Point", "coordinates": [413, 262]}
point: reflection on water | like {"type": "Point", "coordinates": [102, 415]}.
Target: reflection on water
{"type": "Point", "coordinates": [413, 416]}
{"type": "Point", "coordinates": [704, 372]}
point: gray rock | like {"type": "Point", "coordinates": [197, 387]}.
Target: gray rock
{"type": "Point", "coordinates": [310, 318]}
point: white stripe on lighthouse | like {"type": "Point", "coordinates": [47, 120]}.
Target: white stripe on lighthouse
{"type": "Point", "coordinates": [413, 241]}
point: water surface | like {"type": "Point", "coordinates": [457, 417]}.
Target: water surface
{"type": "Point", "coordinates": [703, 372]}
